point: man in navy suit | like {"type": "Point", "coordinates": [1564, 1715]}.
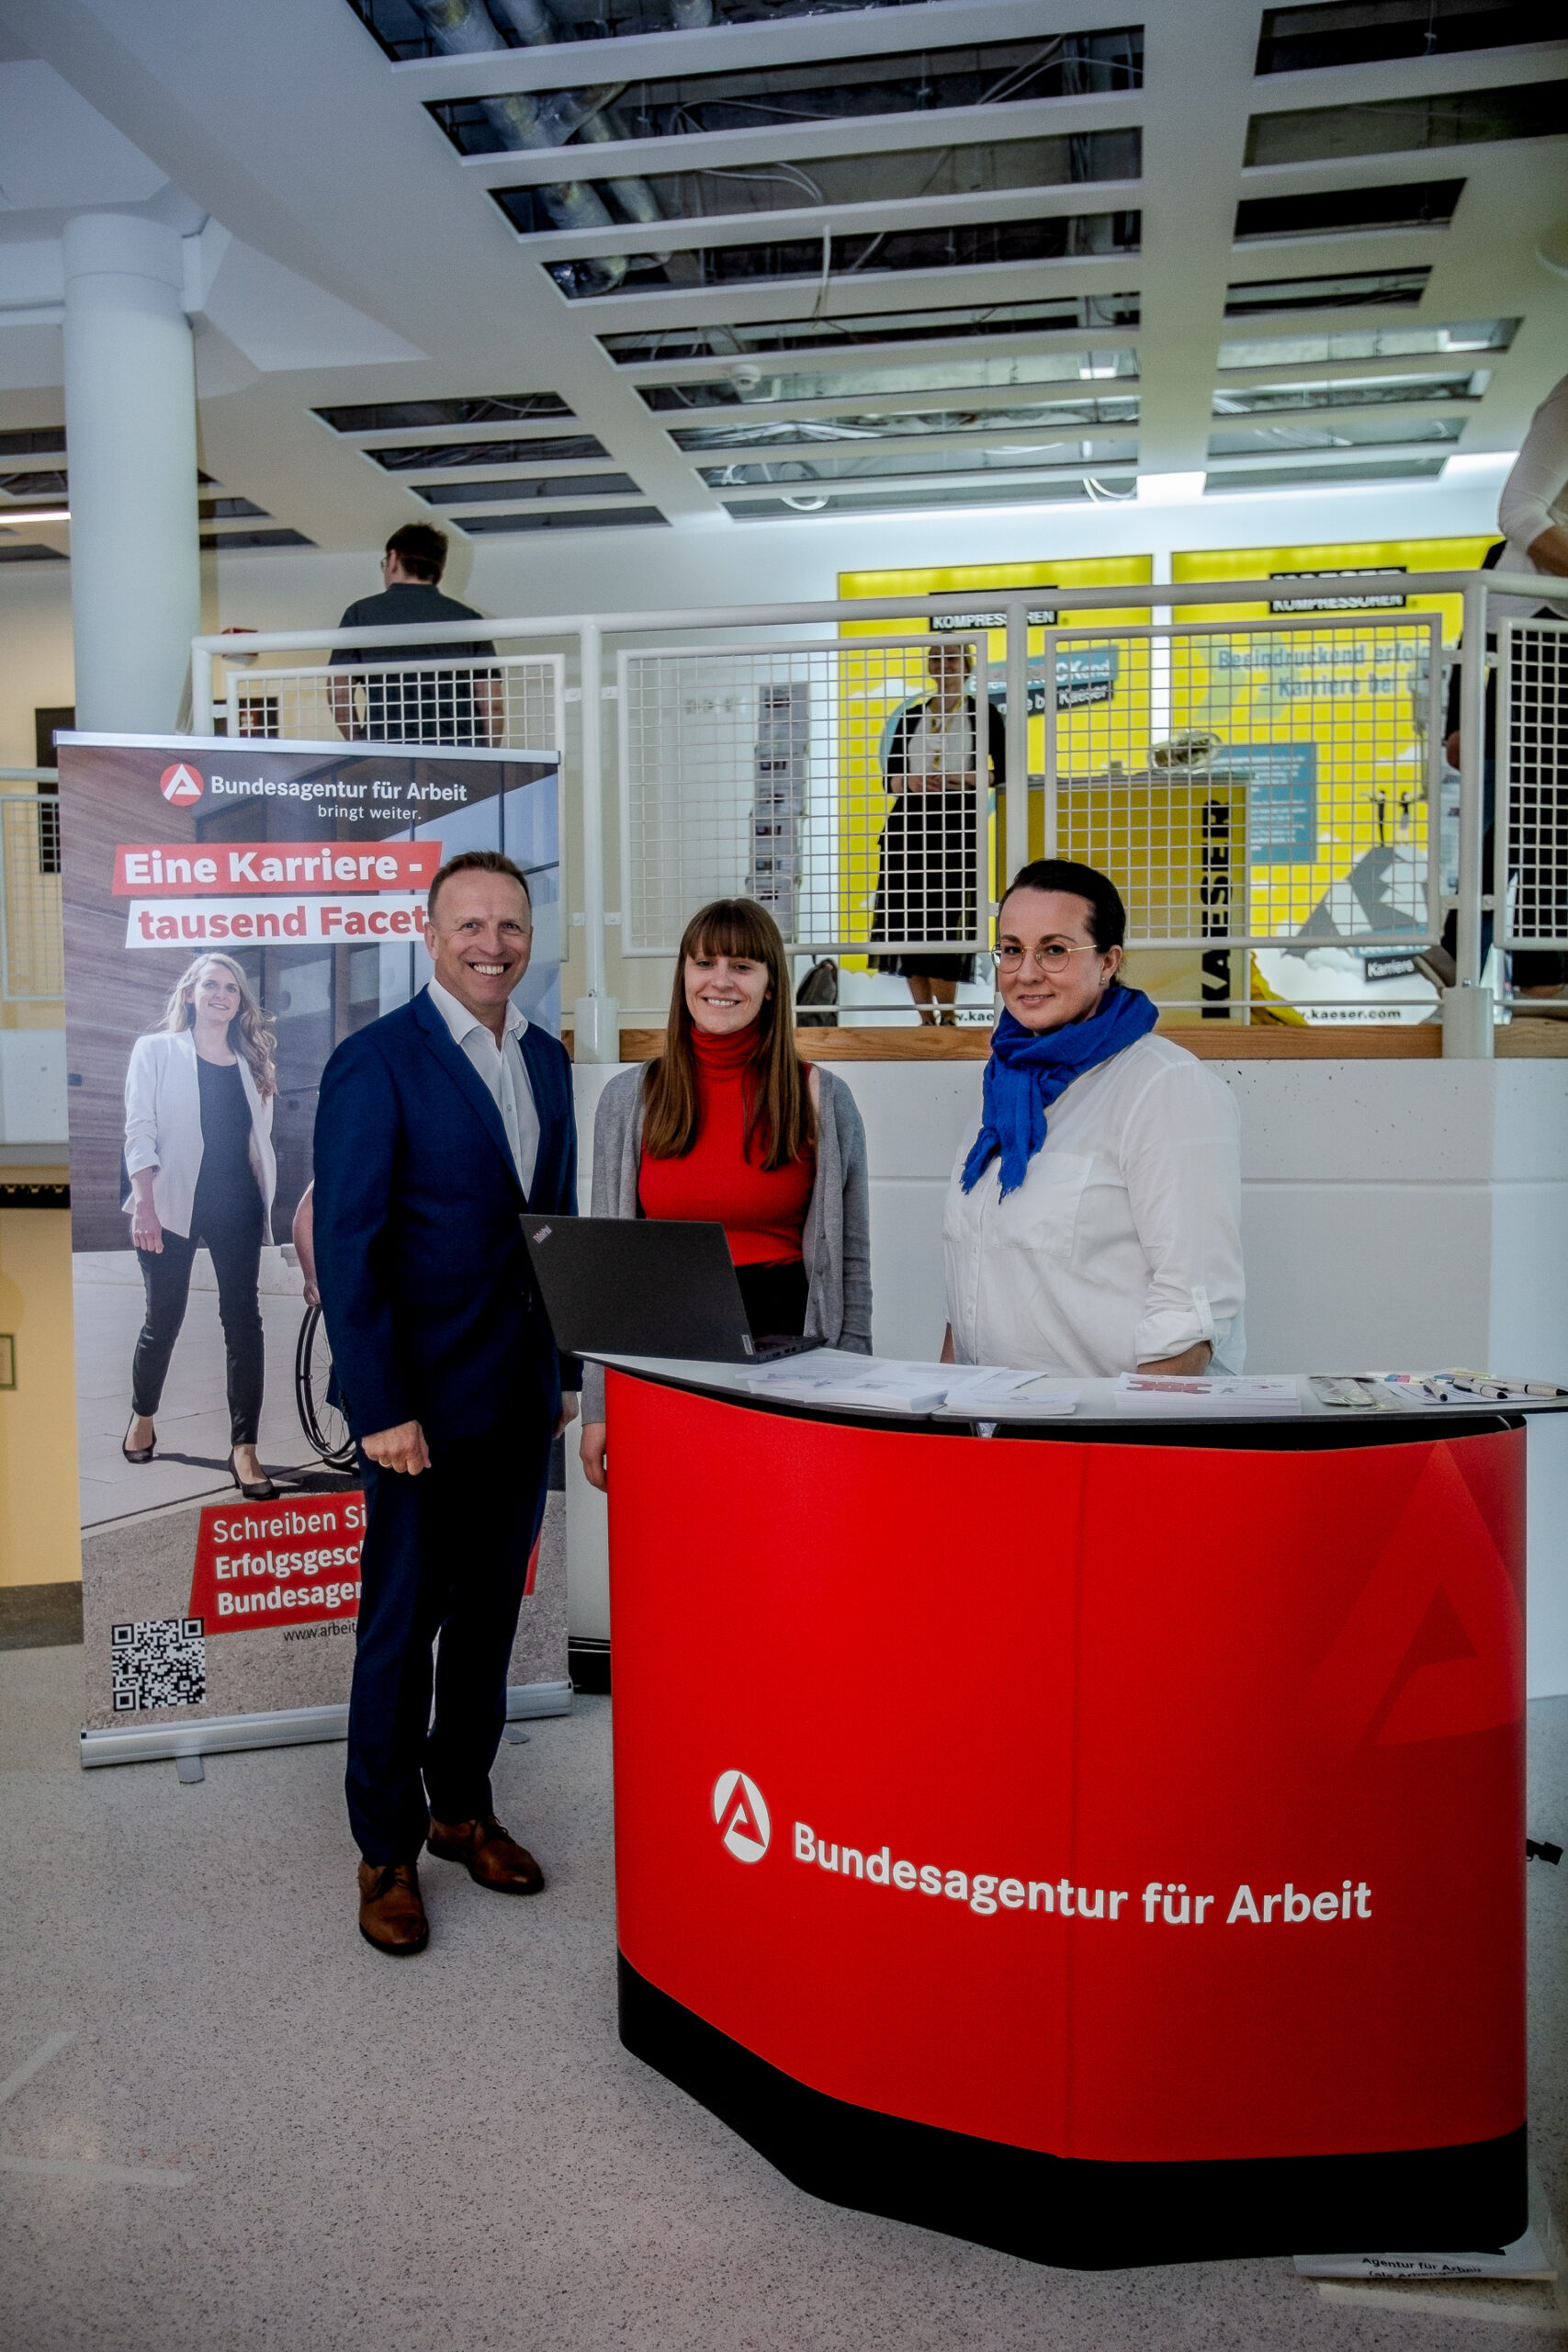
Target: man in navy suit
{"type": "Point", "coordinates": [435, 1126]}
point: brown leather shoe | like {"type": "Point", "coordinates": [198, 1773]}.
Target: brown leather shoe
{"type": "Point", "coordinates": [490, 1856]}
{"type": "Point", "coordinates": [391, 1916]}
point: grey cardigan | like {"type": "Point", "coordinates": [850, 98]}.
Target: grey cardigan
{"type": "Point", "coordinates": [836, 1244]}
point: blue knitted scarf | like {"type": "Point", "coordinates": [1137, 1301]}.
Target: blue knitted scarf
{"type": "Point", "coordinates": [1027, 1071]}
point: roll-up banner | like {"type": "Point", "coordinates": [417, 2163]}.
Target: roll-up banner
{"type": "Point", "coordinates": [295, 875]}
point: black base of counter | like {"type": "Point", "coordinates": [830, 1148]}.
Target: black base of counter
{"type": "Point", "coordinates": [1068, 2212]}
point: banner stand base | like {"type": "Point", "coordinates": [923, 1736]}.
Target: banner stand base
{"type": "Point", "coordinates": [277, 1727]}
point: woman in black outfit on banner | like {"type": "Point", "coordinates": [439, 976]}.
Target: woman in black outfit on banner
{"type": "Point", "coordinates": [200, 1165]}
{"type": "Point", "coordinates": [930, 884]}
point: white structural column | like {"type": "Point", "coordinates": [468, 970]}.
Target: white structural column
{"type": "Point", "coordinates": [130, 435]}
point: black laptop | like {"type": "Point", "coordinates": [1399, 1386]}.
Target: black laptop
{"type": "Point", "coordinates": [645, 1286]}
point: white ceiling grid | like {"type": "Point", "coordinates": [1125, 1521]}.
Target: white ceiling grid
{"type": "Point", "coordinates": [357, 257]}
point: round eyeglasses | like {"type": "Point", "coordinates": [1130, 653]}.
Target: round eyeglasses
{"type": "Point", "coordinates": [1051, 960]}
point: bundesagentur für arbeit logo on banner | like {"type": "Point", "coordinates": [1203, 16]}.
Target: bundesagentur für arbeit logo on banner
{"type": "Point", "coordinates": [181, 785]}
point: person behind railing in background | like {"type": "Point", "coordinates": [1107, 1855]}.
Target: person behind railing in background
{"type": "Point", "coordinates": [928, 885]}
{"type": "Point", "coordinates": [1532, 512]}
{"type": "Point", "coordinates": [1093, 1225]}
{"type": "Point", "coordinates": [199, 1167]}
{"type": "Point", "coordinates": [417, 705]}
{"type": "Point", "coordinates": [729, 1125]}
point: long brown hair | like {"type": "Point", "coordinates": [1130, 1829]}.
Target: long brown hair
{"type": "Point", "coordinates": [779, 1108]}
{"type": "Point", "coordinates": [249, 1034]}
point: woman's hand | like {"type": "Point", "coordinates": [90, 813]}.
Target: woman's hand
{"type": "Point", "coordinates": [592, 1454]}
{"type": "Point", "coordinates": [146, 1231]}
{"type": "Point", "coordinates": [1550, 551]}
{"type": "Point", "coordinates": [1195, 1359]}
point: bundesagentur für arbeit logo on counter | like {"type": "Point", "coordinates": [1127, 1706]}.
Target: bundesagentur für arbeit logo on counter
{"type": "Point", "coordinates": [740, 1811]}
{"type": "Point", "coordinates": [741, 1814]}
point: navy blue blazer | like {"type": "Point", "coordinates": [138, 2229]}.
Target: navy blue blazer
{"type": "Point", "coordinates": [420, 1260]}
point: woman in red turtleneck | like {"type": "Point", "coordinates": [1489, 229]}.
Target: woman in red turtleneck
{"type": "Point", "coordinates": [729, 1126]}
{"type": "Point", "coordinates": [723, 1177]}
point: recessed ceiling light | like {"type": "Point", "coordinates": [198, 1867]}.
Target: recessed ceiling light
{"type": "Point", "coordinates": [37, 514]}
{"type": "Point", "coordinates": [1169, 489]}
{"type": "Point", "coordinates": [1483, 466]}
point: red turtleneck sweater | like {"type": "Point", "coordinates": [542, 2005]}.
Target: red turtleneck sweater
{"type": "Point", "coordinates": [763, 1215]}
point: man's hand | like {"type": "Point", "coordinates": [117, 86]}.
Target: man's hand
{"type": "Point", "coordinates": [400, 1449]}
{"type": "Point", "coordinates": [340, 698]}
{"type": "Point", "coordinates": [567, 1412]}
{"type": "Point", "coordinates": [592, 1454]}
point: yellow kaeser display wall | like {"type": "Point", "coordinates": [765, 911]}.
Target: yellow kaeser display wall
{"type": "Point", "coordinates": [39, 1537]}
{"type": "Point", "coordinates": [1103, 702]}
{"type": "Point", "coordinates": [1232, 779]}
{"type": "Point", "coordinates": [1324, 723]}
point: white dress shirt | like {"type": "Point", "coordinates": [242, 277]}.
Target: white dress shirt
{"type": "Point", "coordinates": [499, 1061]}
{"type": "Point", "coordinates": [1534, 497]}
{"type": "Point", "coordinates": [1123, 1245]}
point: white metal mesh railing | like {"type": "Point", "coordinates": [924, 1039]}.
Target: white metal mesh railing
{"type": "Point", "coordinates": [32, 955]}
{"type": "Point", "coordinates": [842, 784]}
{"type": "Point", "coordinates": [1533, 782]}
{"type": "Point", "coordinates": [1246, 784]}
{"type": "Point", "coordinates": [513, 702]}
{"type": "Point", "coordinates": [1258, 776]}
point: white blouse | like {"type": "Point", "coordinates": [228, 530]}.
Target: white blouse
{"type": "Point", "coordinates": [1534, 497]}
{"type": "Point", "coordinates": [1123, 1245]}
{"type": "Point", "coordinates": [162, 1127]}
{"type": "Point", "coordinates": [942, 743]}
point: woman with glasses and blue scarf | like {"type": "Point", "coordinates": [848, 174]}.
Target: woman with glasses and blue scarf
{"type": "Point", "coordinates": [1093, 1225]}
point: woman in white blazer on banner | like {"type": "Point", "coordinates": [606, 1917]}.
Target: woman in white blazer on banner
{"type": "Point", "coordinates": [201, 1168]}
{"type": "Point", "coordinates": [1093, 1225]}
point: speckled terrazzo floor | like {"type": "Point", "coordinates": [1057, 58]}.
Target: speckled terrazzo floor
{"type": "Point", "coordinates": [289, 2145]}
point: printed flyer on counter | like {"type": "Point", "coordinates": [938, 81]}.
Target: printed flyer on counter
{"type": "Point", "coordinates": [292, 880]}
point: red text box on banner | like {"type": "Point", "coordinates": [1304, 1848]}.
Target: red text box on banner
{"type": "Point", "coordinates": [284, 1563]}
{"type": "Point", "coordinates": [158, 869]}
{"type": "Point", "coordinates": [165, 924]}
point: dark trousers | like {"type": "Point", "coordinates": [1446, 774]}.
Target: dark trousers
{"type": "Point", "coordinates": [445, 1554]}
{"type": "Point", "coordinates": [233, 1235]}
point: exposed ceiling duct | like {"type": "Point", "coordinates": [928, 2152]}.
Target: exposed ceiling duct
{"type": "Point", "coordinates": [468, 27]}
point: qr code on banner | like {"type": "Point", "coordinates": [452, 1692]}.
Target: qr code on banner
{"type": "Point", "coordinates": [160, 1662]}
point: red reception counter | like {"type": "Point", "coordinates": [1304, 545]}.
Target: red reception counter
{"type": "Point", "coordinates": [1101, 1841]}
